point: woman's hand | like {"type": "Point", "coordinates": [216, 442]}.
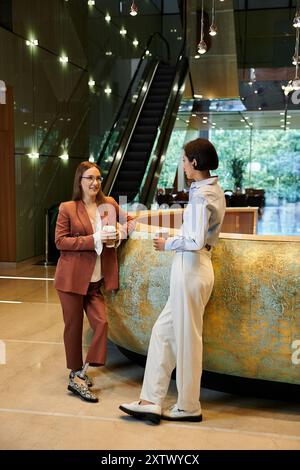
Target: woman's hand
{"type": "Point", "coordinates": [109, 236]}
{"type": "Point", "coordinates": [105, 237]}
{"type": "Point", "coordinates": [111, 239]}
{"type": "Point", "coordinates": [159, 244]}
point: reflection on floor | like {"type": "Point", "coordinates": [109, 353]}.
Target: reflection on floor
{"type": "Point", "coordinates": [280, 220]}
{"type": "Point", "coordinates": [37, 412]}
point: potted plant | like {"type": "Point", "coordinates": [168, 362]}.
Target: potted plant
{"type": "Point", "coordinates": [237, 167]}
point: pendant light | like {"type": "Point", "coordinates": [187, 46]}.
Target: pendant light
{"type": "Point", "coordinates": [133, 9]}
{"type": "Point", "coordinates": [294, 84]}
{"type": "Point", "coordinates": [213, 28]}
{"type": "Point", "coordinates": [296, 81]}
{"type": "Point", "coordinates": [296, 21]}
{"type": "Point", "coordinates": [202, 47]}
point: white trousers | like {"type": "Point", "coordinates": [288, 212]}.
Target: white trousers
{"type": "Point", "coordinates": [176, 338]}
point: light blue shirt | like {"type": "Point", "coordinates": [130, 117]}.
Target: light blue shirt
{"type": "Point", "coordinates": [202, 218]}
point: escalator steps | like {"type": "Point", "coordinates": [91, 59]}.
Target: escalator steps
{"type": "Point", "coordinates": [139, 149]}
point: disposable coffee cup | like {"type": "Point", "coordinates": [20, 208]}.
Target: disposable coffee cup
{"type": "Point", "coordinates": [163, 232]}
{"type": "Point", "coordinates": [111, 235]}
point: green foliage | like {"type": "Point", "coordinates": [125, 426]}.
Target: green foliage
{"type": "Point", "coordinates": [275, 153]}
{"type": "Point", "coordinates": [237, 165]}
{"type": "Point", "coordinates": [274, 163]}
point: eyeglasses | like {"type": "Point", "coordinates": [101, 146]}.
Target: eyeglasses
{"type": "Point", "coordinates": [91, 179]}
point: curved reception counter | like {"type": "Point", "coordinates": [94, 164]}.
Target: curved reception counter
{"type": "Point", "coordinates": [251, 323]}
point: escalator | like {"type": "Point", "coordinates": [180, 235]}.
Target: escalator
{"type": "Point", "coordinates": [131, 157]}
{"type": "Point", "coordinates": [131, 173]}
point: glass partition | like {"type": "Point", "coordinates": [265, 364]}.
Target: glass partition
{"type": "Point", "coordinates": [258, 166]}
{"type": "Point", "coordinates": [69, 69]}
{"type": "Point", "coordinates": [269, 168]}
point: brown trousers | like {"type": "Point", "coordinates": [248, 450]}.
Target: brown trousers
{"type": "Point", "coordinates": [94, 306]}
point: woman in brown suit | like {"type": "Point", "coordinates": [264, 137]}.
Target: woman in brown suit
{"type": "Point", "coordinates": [86, 261]}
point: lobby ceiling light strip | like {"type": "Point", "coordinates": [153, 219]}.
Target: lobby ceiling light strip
{"type": "Point", "coordinates": [32, 42]}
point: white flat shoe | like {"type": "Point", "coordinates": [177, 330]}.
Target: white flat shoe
{"type": "Point", "coordinates": [146, 412]}
{"type": "Point", "coordinates": [175, 414]}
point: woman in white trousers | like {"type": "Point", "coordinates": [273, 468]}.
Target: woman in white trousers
{"type": "Point", "coordinates": [176, 339]}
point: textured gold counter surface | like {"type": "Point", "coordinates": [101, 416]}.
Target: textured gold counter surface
{"type": "Point", "coordinates": [252, 321]}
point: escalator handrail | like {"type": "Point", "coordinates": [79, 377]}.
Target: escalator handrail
{"type": "Point", "coordinates": [114, 125]}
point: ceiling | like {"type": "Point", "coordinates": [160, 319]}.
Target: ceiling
{"type": "Point", "coordinates": [276, 120]}
{"type": "Point", "coordinates": [240, 78]}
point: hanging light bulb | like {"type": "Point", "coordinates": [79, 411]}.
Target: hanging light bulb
{"type": "Point", "coordinates": [296, 80]}
{"type": "Point", "coordinates": [202, 47]}
{"type": "Point", "coordinates": [213, 28]}
{"type": "Point", "coordinates": [252, 75]}
{"type": "Point", "coordinates": [296, 21]}
{"type": "Point", "coordinates": [287, 88]}
{"type": "Point", "coordinates": [294, 84]}
{"type": "Point", "coordinates": [133, 9]}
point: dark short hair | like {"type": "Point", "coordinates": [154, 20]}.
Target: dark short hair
{"type": "Point", "coordinates": [205, 154]}
{"type": "Point", "coordinates": [77, 191]}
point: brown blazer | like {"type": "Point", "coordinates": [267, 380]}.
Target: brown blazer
{"type": "Point", "coordinates": [74, 239]}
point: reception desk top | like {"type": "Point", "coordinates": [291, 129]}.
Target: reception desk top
{"type": "Point", "coordinates": [264, 238]}
{"type": "Point", "coordinates": [149, 220]}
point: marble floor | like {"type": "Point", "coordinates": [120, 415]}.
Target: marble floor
{"type": "Point", "coordinates": [37, 412]}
